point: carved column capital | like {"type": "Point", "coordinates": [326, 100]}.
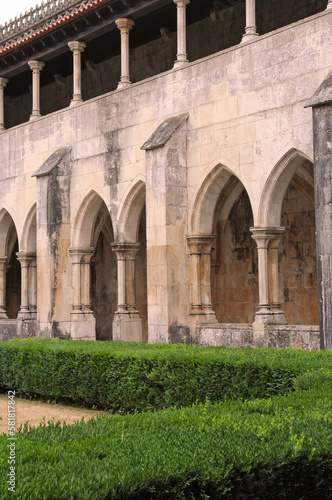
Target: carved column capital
{"type": "Point", "coordinates": [36, 66]}
{"type": "Point", "coordinates": [77, 47]}
{"type": "Point", "coordinates": [3, 82]}
{"type": "Point", "coordinates": [263, 235]}
{"type": "Point", "coordinates": [78, 253]}
{"type": "Point", "coordinates": [200, 243]}
{"type": "Point", "coordinates": [125, 251]}
{"type": "Point", "coordinates": [25, 258]}
{"type": "Point", "coordinates": [125, 24]}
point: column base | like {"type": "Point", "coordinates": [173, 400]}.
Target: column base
{"type": "Point", "coordinates": [266, 316]}
{"type": "Point", "coordinates": [3, 314]}
{"type": "Point", "coordinates": [180, 64]}
{"type": "Point", "coordinates": [82, 326]}
{"type": "Point", "coordinates": [249, 37]}
{"type": "Point", "coordinates": [123, 85]}
{"type": "Point", "coordinates": [279, 317]}
{"type": "Point", "coordinates": [34, 116]}
{"type": "Point", "coordinates": [127, 328]}
{"type": "Point", "coordinates": [210, 315]}
{"type": "Point", "coordinates": [75, 101]}
{"type": "Point", "coordinates": [24, 314]}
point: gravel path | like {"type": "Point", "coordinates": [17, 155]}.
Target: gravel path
{"type": "Point", "coordinates": [34, 412]}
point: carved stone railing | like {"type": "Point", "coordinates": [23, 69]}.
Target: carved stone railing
{"type": "Point", "coordinates": [37, 18]}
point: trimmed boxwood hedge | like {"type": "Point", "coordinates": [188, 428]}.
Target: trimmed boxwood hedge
{"type": "Point", "coordinates": [131, 377]}
{"type": "Point", "coordinates": [280, 447]}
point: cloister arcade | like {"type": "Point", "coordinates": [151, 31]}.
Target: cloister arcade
{"type": "Point", "coordinates": [159, 172]}
{"type": "Point", "coordinates": [241, 271]}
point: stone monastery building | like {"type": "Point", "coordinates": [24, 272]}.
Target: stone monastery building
{"type": "Point", "coordinates": [157, 163]}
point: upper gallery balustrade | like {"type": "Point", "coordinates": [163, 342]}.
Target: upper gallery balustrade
{"type": "Point", "coordinates": [64, 51]}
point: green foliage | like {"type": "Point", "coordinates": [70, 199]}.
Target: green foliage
{"type": "Point", "coordinates": [278, 447]}
{"type": "Point", "coordinates": [131, 377]}
{"type": "Point", "coordinates": [214, 438]}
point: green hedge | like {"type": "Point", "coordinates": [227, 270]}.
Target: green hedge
{"type": "Point", "coordinates": [279, 447]}
{"type": "Point", "coordinates": [127, 377]}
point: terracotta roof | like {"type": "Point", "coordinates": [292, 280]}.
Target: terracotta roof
{"type": "Point", "coordinates": [59, 19]}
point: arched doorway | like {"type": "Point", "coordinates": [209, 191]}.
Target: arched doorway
{"type": "Point", "coordinates": [297, 252]}
{"type": "Point", "coordinates": [288, 202]}
{"type": "Point", "coordinates": [223, 257]}
{"type": "Point", "coordinates": [234, 259]}
{"type": "Point", "coordinates": [103, 276]}
{"type": "Point", "coordinates": [94, 271]}
{"type": "Point", "coordinates": [131, 246]}
{"type": "Point", "coordinates": [10, 287]}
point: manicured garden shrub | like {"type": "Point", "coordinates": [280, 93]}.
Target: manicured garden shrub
{"type": "Point", "coordinates": [280, 447]}
{"type": "Point", "coordinates": [127, 377]}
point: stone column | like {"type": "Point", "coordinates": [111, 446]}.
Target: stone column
{"type": "Point", "coordinates": [54, 269]}
{"type": "Point", "coordinates": [168, 280]}
{"type": "Point", "coordinates": [127, 324]}
{"type": "Point", "coordinates": [83, 323]}
{"type": "Point", "coordinates": [24, 258]}
{"type": "Point", "coordinates": [322, 139]}
{"type": "Point", "coordinates": [3, 83]}
{"type": "Point", "coordinates": [250, 30]}
{"type": "Point", "coordinates": [207, 243]}
{"type": "Point", "coordinates": [124, 26]}
{"type": "Point", "coordinates": [262, 238]}
{"type": "Point", "coordinates": [274, 289]}
{"type": "Point", "coordinates": [266, 313]}
{"type": "Point", "coordinates": [86, 281]}
{"type": "Point", "coordinates": [195, 275]}
{"type": "Point", "coordinates": [33, 285]}
{"type": "Point", "coordinates": [200, 247]}
{"type": "Point", "coordinates": [36, 67]}
{"type": "Point", "coordinates": [3, 265]}
{"type": "Point", "coordinates": [130, 279]}
{"type": "Point", "coordinates": [76, 258]}
{"type": "Point", "coordinates": [181, 56]}
{"type": "Point", "coordinates": [76, 48]}
{"type": "Point", "coordinates": [120, 252]}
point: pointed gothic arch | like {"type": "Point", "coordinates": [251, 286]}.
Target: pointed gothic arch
{"type": "Point", "coordinates": [131, 213]}
{"type": "Point", "coordinates": [288, 202]}
{"type": "Point", "coordinates": [10, 282]}
{"type": "Point", "coordinates": [293, 166]}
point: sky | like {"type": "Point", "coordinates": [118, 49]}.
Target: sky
{"type": "Point", "coordinates": [10, 9]}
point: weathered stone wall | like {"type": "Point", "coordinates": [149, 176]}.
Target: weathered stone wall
{"type": "Point", "coordinates": [276, 336]}
{"type": "Point", "coordinates": [235, 280]}
{"type": "Point", "coordinates": [141, 277]}
{"type": "Point", "coordinates": [13, 285]}
{"type": "Point", "coordinates": [104, 288]}
{"type": "Point", "coordinates": [297, 259]}
{"type": "Point", "coordinates": [246, 113]}
{"type": "Point", "coordinates": [273, 15]}
{"type": "Point", "coordinates": [323, 188]}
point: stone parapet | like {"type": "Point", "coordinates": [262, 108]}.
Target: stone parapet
{"type": "Point", "coordinates": [243, 335]}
